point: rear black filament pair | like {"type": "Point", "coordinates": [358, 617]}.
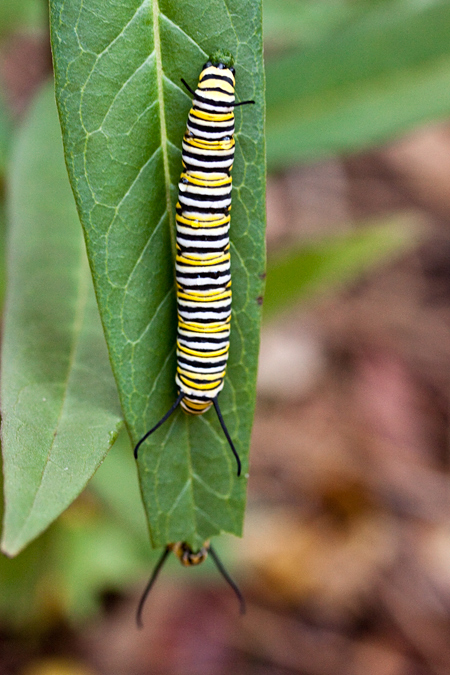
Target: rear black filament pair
{"type": "Point", "coordinates": [188, 558]}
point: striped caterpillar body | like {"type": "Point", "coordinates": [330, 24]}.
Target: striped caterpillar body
{"type": "Point", "coordinates": [203, 246]}
{"type": "Point", "coordinates": [203, 243]}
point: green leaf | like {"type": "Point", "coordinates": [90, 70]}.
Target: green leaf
{"type": "Point", "coordinates": [2, 250]}
{"type": "Point", "coordinates": [21, 15]}
{"type": "Point", "coordinates": [303, 271]}
{"type": "Point", "coordinates": [123, 113]}
{"type": "Point", "coordinates": [299, 23]}
{"type": "Point", "coordinates": [93, 553]}
{"type": "Point", "coordinates": [381, 76]}
{"type": "Point", "coordinates": [85, 552]}
{"type": "Point", "coordinates": [116, 484]}
{"type": "Point", "coordinates": [5, 135]}
{"type": "Point", "coordinates": [21, 603]}
{"type": "Point", "coordinates": [59, 402]}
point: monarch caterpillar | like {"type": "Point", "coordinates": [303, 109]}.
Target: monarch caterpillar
{"type": "Point", "coordinates": [188, 558]}
{"type": "Point", "coordinates": [203, 245]}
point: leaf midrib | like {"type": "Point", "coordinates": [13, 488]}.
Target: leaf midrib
{"type": "Point", "coordinates": [162, 119]}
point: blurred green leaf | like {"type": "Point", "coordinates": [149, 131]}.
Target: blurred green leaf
{"type": "Point", "coordinates": [21, 14]}
{"type": "Point", "coordinates": [20, 601]}
{"type": "Point", "coordinates": [64, 572]}
{"type": "Point", "coordinates": [123, 113]}
{"type": "Point", "coordinates": [300, 23]}
{"type": "Point", "coordinates": [303, 271]}
{"type": "Point", "coordinates": [59, 402]}
{"type": "Point", "coordinates": [93, 553]}
{"type": "Point", "coordinates": [5, 135]}
{"type": "Point", "coordinates": [2, 250]}
{"type": "Point", "coordinates": [116, 484]}
{"type": "Point", "coordinates": [382, 75]}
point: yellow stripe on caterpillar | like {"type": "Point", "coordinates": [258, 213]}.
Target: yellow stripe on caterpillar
{"type": "Point", "coordinates": [206, 84]}
{"type": "Point", "coordinates": [206, 221]}
{"type": "Point", "coordinates": [202, 294]}
{"type": "Point", "coordinates": [210, 176]}
{"type": "Point", "coordinates": [204, 298]}
{"type": "Point", "coordinates": [212, 117]}
{"type": "Point", "coordinates": [201, 257]}
{"type": "Point", "coordinates": [199, 408]}
{"type": "Point", "coordinates": [204, 182]}
{"type": "Point", "coordinates": [193, 352]}
{"type": "Point", "coordinates": [209, 145]}
{"type": "Point", "coordinates": [212, 70]}
{"type": "Point", "coordinates": [204, 378]}
{"type": "Point", "coordinates": [207, 263]}
{"type": "Point", "coordinates": [200, 387]}
{"type": "Point", "coordinates": [204, 328]}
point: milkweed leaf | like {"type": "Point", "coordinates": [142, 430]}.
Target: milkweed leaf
{"type": "Point", "coordinates": [60, 410]}
{"type": "Point", "coordinates": [123, 112]}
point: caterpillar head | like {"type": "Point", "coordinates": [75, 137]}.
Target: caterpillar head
{"type": "Point", "coordinates": [221, 59]}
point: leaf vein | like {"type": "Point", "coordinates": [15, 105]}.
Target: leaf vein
{"type": "Point", "coordinates": [148, 60]}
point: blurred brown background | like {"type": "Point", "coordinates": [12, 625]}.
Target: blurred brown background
{"type": "Point", "coordinates": [345, 562]}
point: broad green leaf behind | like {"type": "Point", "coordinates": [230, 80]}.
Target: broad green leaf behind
{"type": "Point", "coordinates": [60, 410]}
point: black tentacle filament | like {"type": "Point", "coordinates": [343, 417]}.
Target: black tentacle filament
{"type": "Point", "coordinates": [169, 413]}
{"type": "Point", "coordinates": [188, 558]}
{"type": "Point", "coordinates": [190, 90]}
{"type": "Point", "coordinates": [161, 421]}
